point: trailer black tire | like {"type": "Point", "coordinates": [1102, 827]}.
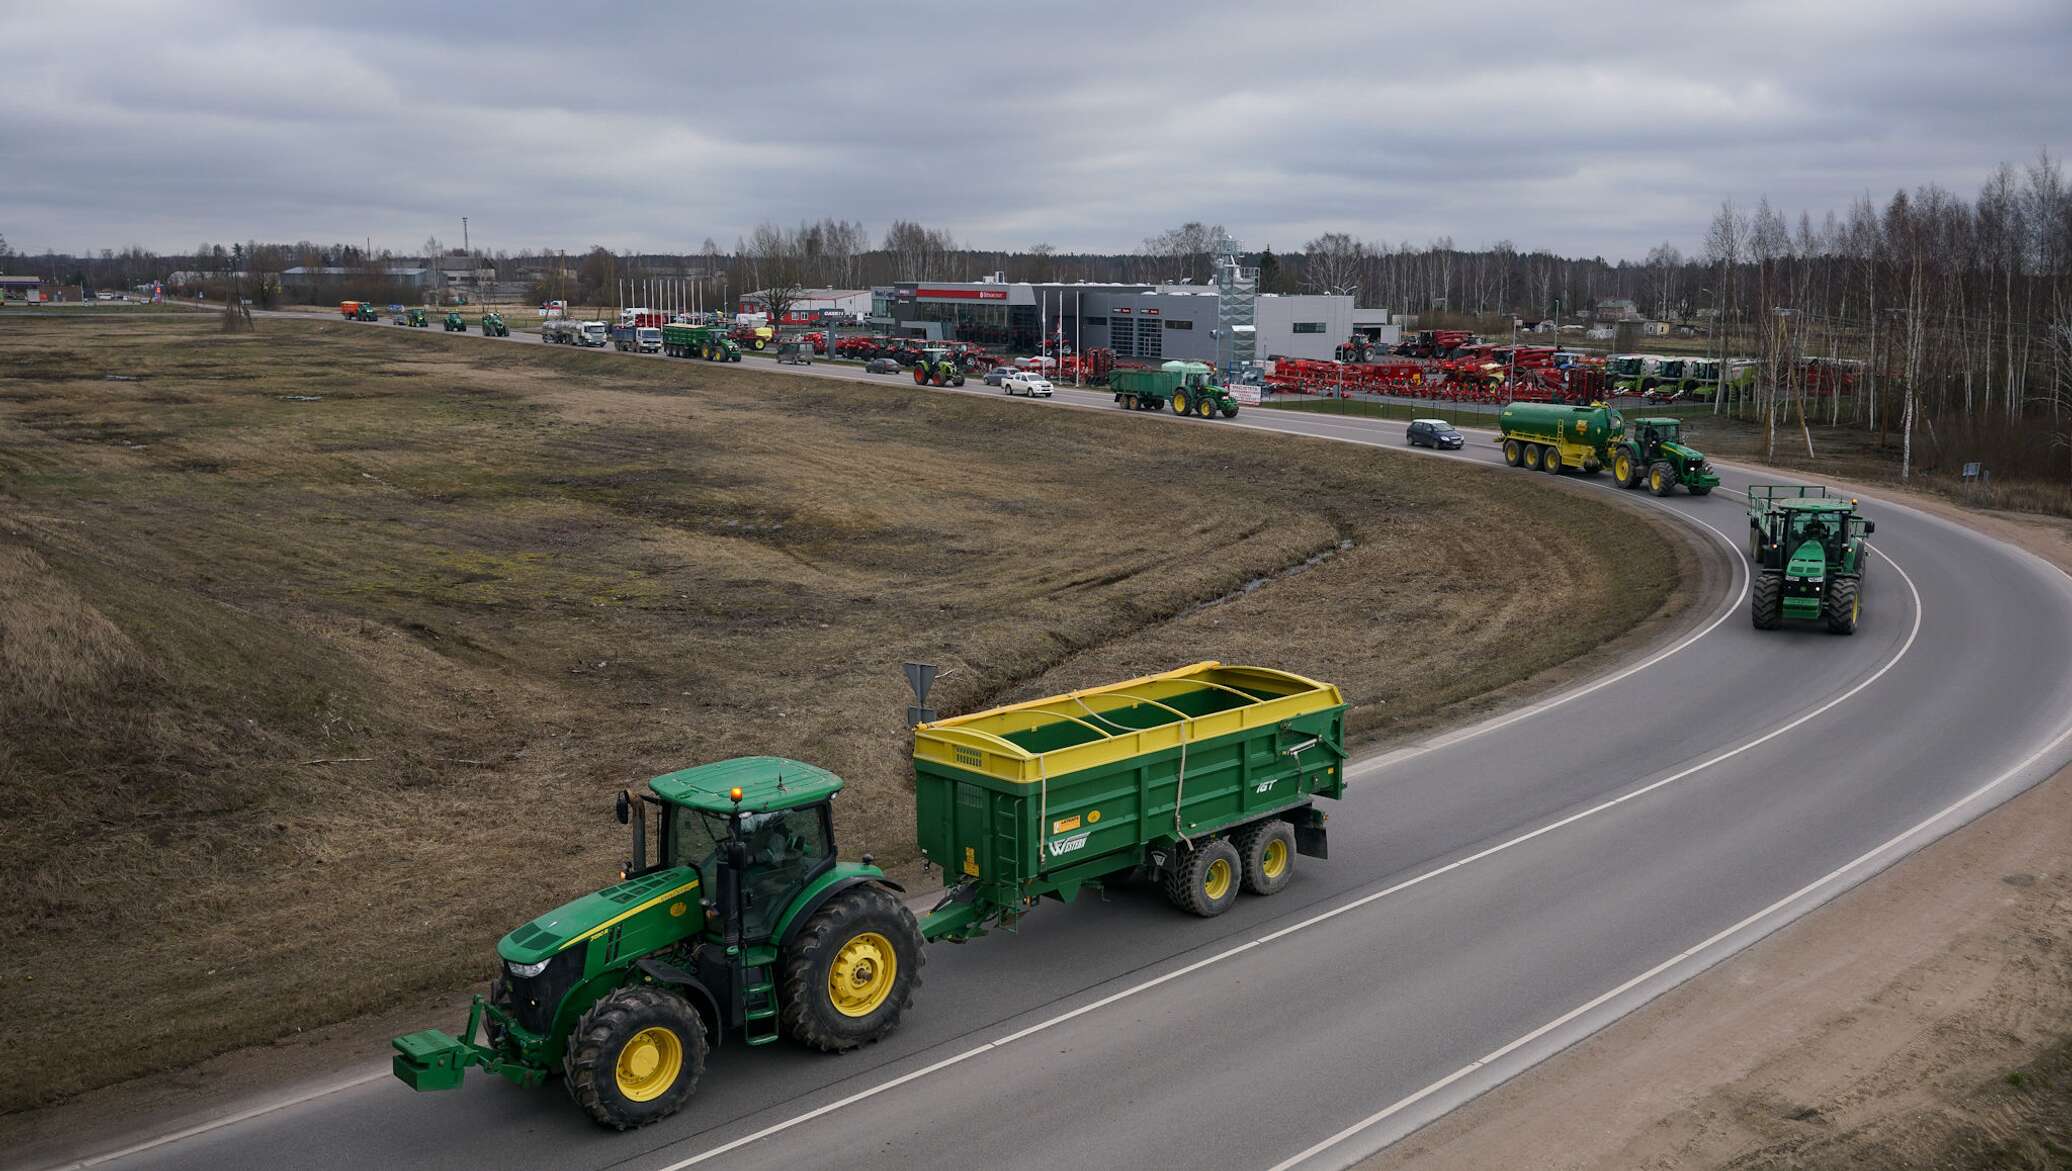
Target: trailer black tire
{"type": "Point", "coordinates": [1268, 850]}
{"type": "Point", "coordinates": [1204, 881]}
{"type": "Point", "coordinates": [1550, 460]}
{"type": "Point", "coordinates": [1844, 606]}
{"type": "Point", "coordinates": [1661, 478]}
{"type": "Point", "coordinates": [861, 928]}
{"type": "Point", "coordinates": [1531, 456]}
{"type": "Point", "coordinates": [609, 1051]}
{"type": "Point", "coordinates": [1514, 454]}
{"type": "Point", "coordinates": [1766, 601]}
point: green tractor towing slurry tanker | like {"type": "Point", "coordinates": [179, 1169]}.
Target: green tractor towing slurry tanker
{"type": "Point", "coordinates": [1550, 438]}
{"type": "Point", "coordinates": [1189, 388]}
{"type": "Point", "coordinates": [1809, 552]}
{"type": "Point", "coordinates": [493, 325]}
{"type": "Point", "coordinates": [699, 341]}
{"type": "Point", "coordinates": [745, 924]}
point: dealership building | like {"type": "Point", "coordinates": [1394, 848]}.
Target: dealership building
{"type": "Point", "coordinates": [1225, 323]}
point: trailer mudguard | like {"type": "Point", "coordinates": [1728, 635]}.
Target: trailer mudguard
{"type": "Point", "coordinates": [838, 878]}
{"type": "Point", "coordinates": [1310, 838]}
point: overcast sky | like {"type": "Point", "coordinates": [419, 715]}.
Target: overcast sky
{"type": "Point", "coordinates": [1587, 128]}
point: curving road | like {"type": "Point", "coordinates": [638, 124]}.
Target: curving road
{"type": "Point", "coordinates": [1494, 894]}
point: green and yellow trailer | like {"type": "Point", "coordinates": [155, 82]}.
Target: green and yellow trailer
{"type": "Point", "coordinates": [743, 922]}
{"type": "Point", "coordinates": [709, 342]}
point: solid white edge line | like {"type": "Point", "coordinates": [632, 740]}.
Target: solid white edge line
{"type": "Point", "coordinates": [778, 1127]}
{"type": "Point", "coordinates": [202, 1128]}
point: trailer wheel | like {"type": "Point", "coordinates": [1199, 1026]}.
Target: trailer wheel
{"type": "Point", "coordinates": [1844, 606]}
{"type": "Point", "coordinates": [1550, 460]}
{"type": "Point", "coordinates": [1623, 470]}
{"type": "Point", "coordinates": [1205, 880]}
{"type": "Point", "coordinates": [1766, 601]}
{"type": "Point", "coordinates": [635, 1057]}
{"type": "Point", "coordinates": [1530, 457]}
{"type": "Point", "coordinates": [1268, 849]}
{"type": "Point", "coordinates": [1662, 478]}
{"type": "Point", "coordinates": [1513, 454]}
{"type": "Point", "coordinates": [851, 972]}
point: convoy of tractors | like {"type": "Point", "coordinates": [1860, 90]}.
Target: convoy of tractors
{"type": "Point", "coordinates": [735, 918]}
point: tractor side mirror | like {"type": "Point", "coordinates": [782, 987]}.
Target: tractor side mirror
{"type": "Point", "coordinates": [1869, 527]}
{"type": "Point", "coordinates": [624, 808]}
{"type": "Point", "coordinates": [737, 855]}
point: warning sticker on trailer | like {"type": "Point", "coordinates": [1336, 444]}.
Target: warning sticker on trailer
{"type": "Point", "coordinates": [1064, 825]}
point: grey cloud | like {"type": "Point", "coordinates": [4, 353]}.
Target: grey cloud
{"type": "Point", "coordinates": [1586, 129]}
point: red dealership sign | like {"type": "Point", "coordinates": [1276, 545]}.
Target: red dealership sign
{"type": "Point", "coordinates": [963, 294]}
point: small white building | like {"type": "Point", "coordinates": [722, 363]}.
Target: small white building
{"type": "Point", "coordinates": [812, 306]}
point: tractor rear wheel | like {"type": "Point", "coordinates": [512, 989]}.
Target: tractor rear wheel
{"type": "Point", "coordinates": [1268, 850]}
{"type": "Point", "coordinates": [1623, 470]}
{"type": "Point", "coordinates": [1550, 460]}
{"type": "Point", "coordinates": [1662, 478]}
{"type": "Point", "coordinates": [1844, 606]}
{"type": "Point", "coordinates": [851, 971]}
{"type": "Point", "coordinates": [920, 376]}
{"type": "Point", "coordinates": [1766, 601]}
{"type": "Point", "coordinates": [1179, 402]}
{"type": "Point", "coordinates": [635, 1057]}
{"type": "Point", "coordinates": [1205, 880]}
{"type": "Point", "coordinates": [1513, 453]}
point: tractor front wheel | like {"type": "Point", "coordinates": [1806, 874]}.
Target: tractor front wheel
{"type": "Point", "coordinates": [1205, 407]}
{"type": "Point", "coordinates": [1766, 601]}
{"type": "Point", "coordinates": [1230, 411]}
{"type": "Point", "coordinates": [1662, 479]}
{"type": "Point", "coordinates": [1844, 606]}
{"type": "Point", "coordinates": [635, 1057]}
{"type": "Point", "coordinates": [851, 972]}
{"type": "Point", "coordinates": [1702, 490]}
{"type": "Point", "coordinates": [1205, 880]}
{"type": "Point", "coordinates": [956, 380]}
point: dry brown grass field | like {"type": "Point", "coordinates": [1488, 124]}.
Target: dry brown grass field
{"type": "Point", "coordinates": [323, 649]}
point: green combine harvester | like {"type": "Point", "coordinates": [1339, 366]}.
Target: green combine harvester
{"type": "Point", "coordinates": [937, 368]}
{"type": "Point", "coordinates": [699, 341]}
{"type": "Point", "coordinates": [1189, 388]}
{"type": "Point", "coordinates": [493, 325]}
{"type": "Point", "coordinates": [1548, 437]}
{"type": "Point", "coordinates": [1809, 552]}
{"type": "Point", "coordinates": [743, 923]}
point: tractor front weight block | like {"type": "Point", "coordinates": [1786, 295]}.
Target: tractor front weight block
{"type": "Point", "coordinates": [431, 1059]}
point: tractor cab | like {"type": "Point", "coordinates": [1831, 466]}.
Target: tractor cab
{"type": "Point", "coordinates": [757, 829]}
{"type": "Point", "coordinates": [1653, 433]}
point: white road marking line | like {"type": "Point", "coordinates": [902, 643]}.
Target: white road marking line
{"type": "Point", "coordinates": [202, 1128]}
{"type": "Point", "coordinates": [1356, 904]}
{"type": "Point", "coordinates": [1886, 847]}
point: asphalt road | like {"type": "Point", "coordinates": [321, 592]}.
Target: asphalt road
{"type": "Point", "coordinates": [1493, 895]}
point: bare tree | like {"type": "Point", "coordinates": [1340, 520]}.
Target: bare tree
{"type": "Point", "coordinates": [1331, 262]}
{"type": "Point", "coordinates": [1187, 250]}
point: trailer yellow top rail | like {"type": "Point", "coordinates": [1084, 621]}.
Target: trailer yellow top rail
{"type": "Point", "coordinates": [1041, 739]}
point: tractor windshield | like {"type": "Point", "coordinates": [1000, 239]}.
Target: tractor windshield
{"type": "Point", "coordinates": [1813, 526]}
{"type": "Point", "coordinates": [694, 837]}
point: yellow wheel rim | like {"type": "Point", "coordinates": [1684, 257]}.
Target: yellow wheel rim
{"type": "Point", "coordinates": [1216, 883]}
{"type": "Point", "coordinates": [1656, 481]}
{"type": "Point", "coordinates": [861, 977]}
{"type": "Point", "coordinates": [648, 1064]}
{"type": "Point", "coordinates": [1179, 404]}
{"type": "Point", "coordinates": [1625, 468]}
{"type": "Point", "coordinates": [1273, 862]}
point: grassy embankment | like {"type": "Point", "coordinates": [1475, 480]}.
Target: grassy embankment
{"type": "Point", "coordinates": [323, 649]}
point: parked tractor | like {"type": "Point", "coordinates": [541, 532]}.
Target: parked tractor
{"type": "Point", "coordinates": [493, 325]}
{"type": "Point", "coordinates": [936, 367]}
{"type": "Point", "coordinates": [1808, 548]}
{"type": "Point", "coordinates": [744, 924]}
{"type": "Point", "coordinates": [1189, 388]}
{"type": "Point", "coordinates": [455, 323]}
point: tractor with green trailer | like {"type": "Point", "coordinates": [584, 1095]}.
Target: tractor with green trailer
{"type": "Point", "coordinates": [743, 924]}
{"type": "Point", "coordinates": [455, 323]}
{"type": "Point", "coordinates": [1188, 388]}
{"type": "Point", "coordinates": [493, 325]}
{"type": "Point", "coordinates": [1548, 437]}
{"type": "Point", "coordinates": [709, 342]}
{"type": "Point", "coordinates": [936, 367]}
{"type": "Point", "coordinates": [1809, 552]}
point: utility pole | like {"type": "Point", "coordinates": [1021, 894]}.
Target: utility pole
{"type": "Point", "coordinates": [464, 236]}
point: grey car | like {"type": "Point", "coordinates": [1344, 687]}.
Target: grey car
{"type": "Point", "coordinates": [999, 374]}
{"type": "Point", "coordinates": [881, 366]}
{"type": "Point", "coordinates": [1434, 433]}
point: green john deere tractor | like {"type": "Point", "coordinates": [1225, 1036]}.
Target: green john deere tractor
{"type": "Point", "coordinates": [417, 318]}
{"type": "Point", "coordinates": [1653, 454]}
{"type": "Point", "coordinates": [455, 323]}
{"type": "Point", "coordinates": [1808, 548]}
{"type": "Point", "coordinates": [937, 368]}
{"type": "Point", "coordinates": [493, 325]}
{"type": "Point", "coordinates": [744, 920]}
